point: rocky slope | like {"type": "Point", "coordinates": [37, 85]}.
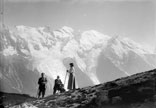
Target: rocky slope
{"type": "Point", "coordinates": [136, 91]}
{"type": "Point", "coordinates": [11, 99]}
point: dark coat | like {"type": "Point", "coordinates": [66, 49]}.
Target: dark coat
{"type": "Point", "coordinates": [42, 82]}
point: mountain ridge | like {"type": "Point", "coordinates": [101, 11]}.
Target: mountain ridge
{"type": "Point", "coordinates": [29, 51]}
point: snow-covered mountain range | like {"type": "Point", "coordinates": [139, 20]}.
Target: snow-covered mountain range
{"type": "Point", "coordinates": [25, 52]}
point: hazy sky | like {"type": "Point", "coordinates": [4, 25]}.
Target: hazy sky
{"type": "Point", "coordinates": [131, 18]}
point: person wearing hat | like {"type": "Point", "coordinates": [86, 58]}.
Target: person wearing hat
{"type": "Point", "coordinates": [71, 80]}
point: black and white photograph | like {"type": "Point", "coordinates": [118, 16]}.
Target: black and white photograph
{"type": "Point", "coordinates": [77, 53]}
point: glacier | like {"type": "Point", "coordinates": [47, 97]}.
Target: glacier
{"type": "Point", "coordinates": [25, 52]}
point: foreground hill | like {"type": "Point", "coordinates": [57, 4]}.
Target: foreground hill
{"type": "Point", "coordinates": [136, 91]}
{"type": "Point", "coordinates": [11, 99]}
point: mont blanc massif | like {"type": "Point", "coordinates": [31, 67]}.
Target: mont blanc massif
{"type": "Point", "coordinates": [26, 52]}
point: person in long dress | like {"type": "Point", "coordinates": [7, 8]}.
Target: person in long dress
{"type": "Point", "coordinates": [71, 81]}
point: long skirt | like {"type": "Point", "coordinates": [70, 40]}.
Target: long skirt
{"type": "Point", "coordinates": [71, 82]}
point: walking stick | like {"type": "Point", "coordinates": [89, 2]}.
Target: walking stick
{"type": "Point", "coordinates": [65, 77]}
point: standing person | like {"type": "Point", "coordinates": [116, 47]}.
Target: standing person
{"type": "Point", "coordinates": [71, 81]}
{"type": "Point", "coordinates": [42, 85]}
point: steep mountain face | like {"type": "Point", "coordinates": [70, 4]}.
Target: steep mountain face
{"type": "Point", "coordinates": [136, 91]}
{"type": "Point", "coordinates": [25, 52]}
